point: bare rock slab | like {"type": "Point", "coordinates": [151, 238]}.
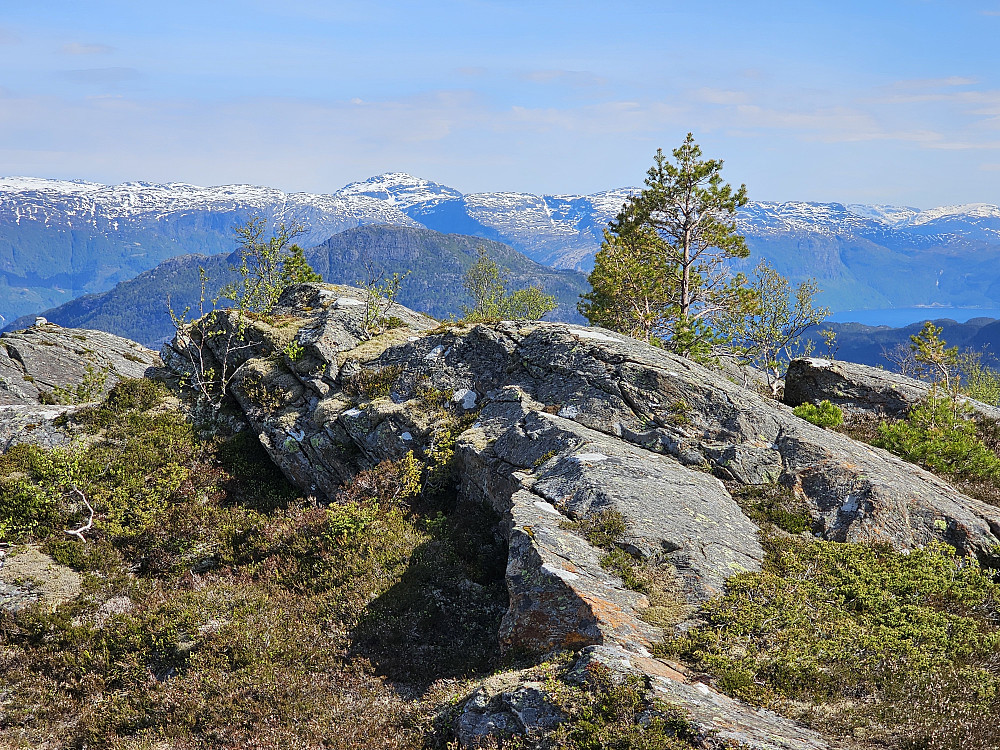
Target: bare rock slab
{"type": "Point", "coordinates": [47, 359]}
{"type": "Point", "coordinates": [860, 388]}
{"type": "Point", "coordinates": [28, 575]}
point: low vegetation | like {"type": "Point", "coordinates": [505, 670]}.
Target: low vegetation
{"type": "Point", "coordinates": [888, 649]}
{"type": "Point", "coordinates": [943, 433]}
{"type": "Point", "coordinates": [775, 504]}
{"type": "Point", "coordinates": [823, 414]}
{"type": "Point", "coordinates": [614, 712]}
{"type": "Point", "coordinates": [222, 609]}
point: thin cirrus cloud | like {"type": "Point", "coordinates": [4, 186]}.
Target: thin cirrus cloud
{"type": "Point", "coordinates": [573, 78]}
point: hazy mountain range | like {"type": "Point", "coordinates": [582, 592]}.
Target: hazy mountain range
{"type": "Point", "coordinates": [434, 264]}
{"type": "Point", "coordinates": [62, 239]}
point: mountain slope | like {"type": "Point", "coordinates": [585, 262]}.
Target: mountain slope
{"type": "Point", "coordinates": [61, 239]}
{"type": "Point", "coordinates": [137, 308]}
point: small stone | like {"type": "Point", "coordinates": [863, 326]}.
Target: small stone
{"type": "Point", "coordinates": [464, 398]}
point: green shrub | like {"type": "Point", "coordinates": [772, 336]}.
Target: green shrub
{"type": "Point", "coordinates": [777, 504]}
{"type": "Point", "coordinates": [865, 627]}
{"type": "Point", "coordinates": [939, 434]}
{"type": "Point", "coordinates": [87, 390]}
{"type": "Point", "coordinates": [135, 394]}
{"type": "Point", "coordinates": [979, 381]}
{"type": "Point", "coordinates": [602, 529]}
{"type": "Point", "coordinates": [824, 414]}
{"type": "Point", "coordinates": [373, 384]}
{"type": "Point", "coordinates": [614, 712]}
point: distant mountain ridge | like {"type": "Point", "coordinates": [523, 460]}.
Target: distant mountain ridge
{"type": "Point", "coordinates": [434, 263]}
{"type": "Point", "coordinates": [61, 239]}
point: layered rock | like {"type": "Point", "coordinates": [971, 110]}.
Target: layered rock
{"type": "Point", "coordinates": [558, 423]}
{"type": "Point", "coordinates": [50, 364]}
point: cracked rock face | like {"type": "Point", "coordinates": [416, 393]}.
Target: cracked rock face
{"type": "Point", "coordinates": [46, 358]}
{"type": "Point", "coordinates": [565, 422]}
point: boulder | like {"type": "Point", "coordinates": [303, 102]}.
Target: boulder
{"type": "Point", "coordinates": [860, 389]}
{"type": "Point", "coordinates": [50, 364]}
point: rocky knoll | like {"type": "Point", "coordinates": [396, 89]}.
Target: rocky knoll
{"type": "Point", "coordinates": [46, 369]}
{"type": "Point", "coordinates": [553, 424]}
{"type": "Point", "coordinates": [40, 363]}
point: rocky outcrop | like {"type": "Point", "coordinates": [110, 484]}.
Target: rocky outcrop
{"type": "Point", "coordinates": [34, 424]}
{"type": "Point", "coordinates": [860, 389]}
{"type": "Point", "coordinates": [28, 575]}
{"type": "Point", "coordinates": [552, 424]}
{"type": "Point", "coordinates": [50, 364]}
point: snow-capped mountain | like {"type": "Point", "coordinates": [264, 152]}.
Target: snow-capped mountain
{"type": "Point", "coordinates": [78, 204]}
{"type": "Point", "coordinates": [59, 239]}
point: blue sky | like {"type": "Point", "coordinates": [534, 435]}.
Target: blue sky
{"type": "Point", "coordinates": [895, 101]}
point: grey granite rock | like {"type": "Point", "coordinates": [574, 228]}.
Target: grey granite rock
{"type": "Point", "coordinates": [34, 424]}
{"type": "Point", "coordinates": [571, 421]}
{"type": "Point", "coordinates": [722, 721]}
{"type": "Point", "coordinates": [860, 388]}
{"type": "Point", "coordinates": [521, 710]}
{"type": "Point", "coordinates": [45, 359]}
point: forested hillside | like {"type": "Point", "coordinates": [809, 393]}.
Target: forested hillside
{"type": "Point", "coordinates": [137, 308]}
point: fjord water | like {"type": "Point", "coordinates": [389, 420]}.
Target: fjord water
{"type": "Point", "coordinates": [899, 317]}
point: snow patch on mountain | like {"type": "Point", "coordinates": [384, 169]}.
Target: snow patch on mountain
{"type": "Point", "coordinates": [400, 190]}
{"type": "Point", "coordinates": [965, 211]}
{"type": "Point", "coordinates": [892, 216]}
{"type": "Point", "coordinates": [561, 230]}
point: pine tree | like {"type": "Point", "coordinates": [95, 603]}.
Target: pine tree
{"type": "Point", "coordinates": [628, 290]}
{"type": "Point", "coordinates": [295, 269]}
{"type": "Point", "coordinates": [692, 214]}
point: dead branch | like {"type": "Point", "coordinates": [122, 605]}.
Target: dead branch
{"type": "Point", "coordinates": [87, 526]}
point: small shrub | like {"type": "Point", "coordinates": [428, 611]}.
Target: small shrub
{"type": "Point", "coordinates": [823, 414]}
{"type": "Point", "coordinates": [602, 529]}
{"type": "Point", "coordinates": [294, 351]}
{"type": "Point", "coordinates": [135, 394]}
{"type": "Point", "coordinates": [373, 384]}
{"type": "Point", "coordinates": [940, 435]}
{"type": "Point", "coordinates": [614, 712]}
{"type": "Point", "coordinates": [87, 390]}
{"type": "Point", "coordinates": [777, 504]}
{"type": "Point", "coordinates": [486, 282]}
